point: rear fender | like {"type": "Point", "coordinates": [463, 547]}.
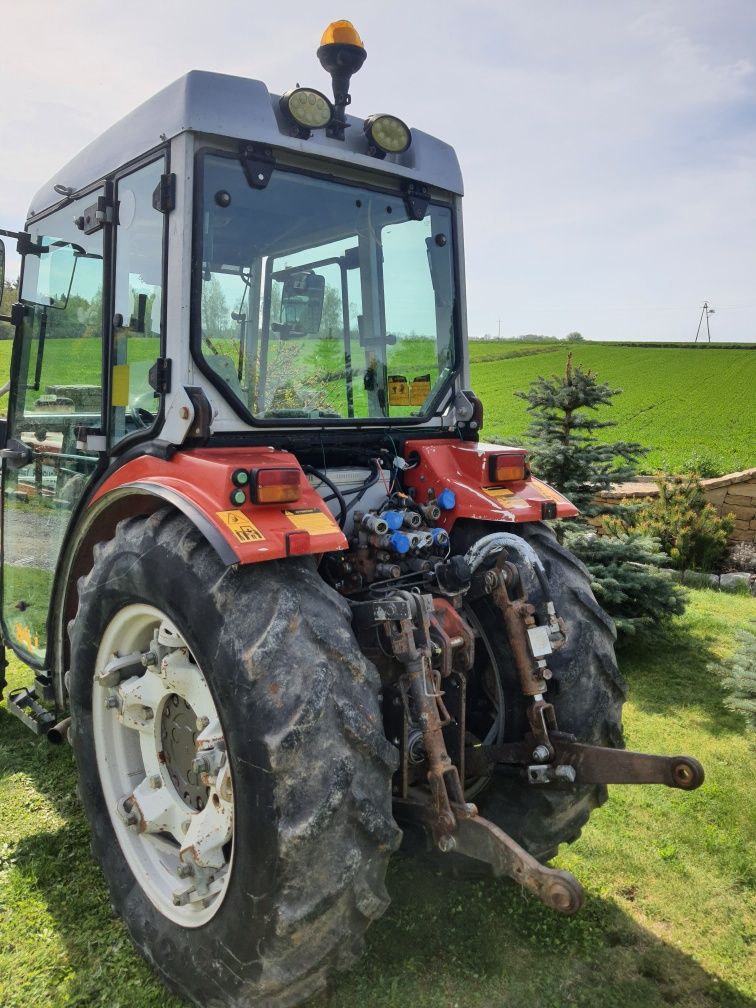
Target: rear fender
{"type": "Point", "coordinates": [463, 467]}
{"type": "Point", "coordinates": [198, 483]}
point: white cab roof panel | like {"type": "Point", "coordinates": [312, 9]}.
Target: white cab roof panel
{"type": "Point", "coordinates": [237, 107]}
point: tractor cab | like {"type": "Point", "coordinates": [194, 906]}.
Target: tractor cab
{"type": "Point", "coordinates": [226, 264]}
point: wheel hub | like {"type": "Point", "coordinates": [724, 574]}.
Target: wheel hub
{"type": "Point", "coordinates": [163, 764]}
{"type": "Point", "coordinates": [179, 727]}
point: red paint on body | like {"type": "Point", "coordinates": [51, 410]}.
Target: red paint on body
{"type": "Point", "coordinates": [203, 477]}
{"type": "Point", "coordinates": [463, 467]}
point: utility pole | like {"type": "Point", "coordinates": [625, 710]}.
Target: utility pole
{"type": "Point", "coordinates": [705, 312]}
{"type": "Point", "coordinates": [498, 332]}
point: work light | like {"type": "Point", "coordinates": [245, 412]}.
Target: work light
{"type": "Point", "coordinates": [307, 108]}
{"type": "Point", "coordinates": [387, 134]}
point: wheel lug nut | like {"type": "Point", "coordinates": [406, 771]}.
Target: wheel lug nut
{"type": "Point", "coordinates": [185, 825]}
{"type": "Point", "coordinates": [541, 754]}
{"type": "Point", "coordinates": [111, 702]}
{"type": "Point", "coordinates": [184, 870]}
{"type": "Point", "coordinates": [155, 781]}
{"type": "Point", "coordinates": [202, 723]}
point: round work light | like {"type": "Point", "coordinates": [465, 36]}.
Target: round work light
{"type": "Point", "coordinates": [307, 108]}
{"type": "Point", "coordinates": [387, 134]}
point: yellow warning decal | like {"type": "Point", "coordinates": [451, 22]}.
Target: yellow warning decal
{"type": "Point", "coordinates": [504, 496]}
{"type": "Point", "coordinates": [241, 527]}
{"type": "Point", "coordinates": [421, 389]}
{"type": "Point", "coordinates": [547, 492]}
{"type": "Point", "coordinates": [119, 386]}
{"type": "Point", "coordinates": [312, 520]}
{"type": "Point", "coordinates": [398, 391]}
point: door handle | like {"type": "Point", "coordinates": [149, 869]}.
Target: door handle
{"type": "Point", "coordinates": [16, 455]}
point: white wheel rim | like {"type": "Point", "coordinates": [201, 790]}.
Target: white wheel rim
{"type": "Point", "coordinates": [167, 787]}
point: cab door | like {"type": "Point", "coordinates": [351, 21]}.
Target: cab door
{"type": "Point", "coordinates": [56, 405]}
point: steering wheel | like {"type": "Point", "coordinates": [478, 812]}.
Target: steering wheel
{"type": "Point", "coordinates": [142, 417]}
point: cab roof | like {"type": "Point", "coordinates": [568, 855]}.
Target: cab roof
{"type": "Point", "coordinates": [243, 109]}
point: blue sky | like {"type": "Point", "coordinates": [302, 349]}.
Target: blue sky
{"type": "Point", "coordinates": [608, 149]}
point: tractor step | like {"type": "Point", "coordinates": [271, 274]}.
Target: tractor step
{"type": "Point", "coordinates": [24, 703]}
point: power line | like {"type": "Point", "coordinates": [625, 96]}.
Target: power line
{"type": "Point", "coordinates": [705, 312]}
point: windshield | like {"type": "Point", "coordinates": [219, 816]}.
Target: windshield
{"type": "Point", "coordinates": [322, 300]}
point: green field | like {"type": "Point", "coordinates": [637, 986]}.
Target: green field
{"type": "Point", "coordinates": [687, 404]}
{"type": "Point", "coordinates": [670, 915]}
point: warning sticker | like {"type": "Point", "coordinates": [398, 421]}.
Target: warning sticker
{"type": "Point", "coordinates": [241, 526]}
{"type": "Point", "coordinates": [312, 520]}
{"type": "Point", "coordinates": [421, 388]}
{"type": "Point", "coordinates": [398, 391]}
{"type": "Point", "coordinates": [547, 492]}
{"type": "Point", "coordinates": [504, 496]}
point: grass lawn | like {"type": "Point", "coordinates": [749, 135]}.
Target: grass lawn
{"type": "Point", "coordinates": [669, 916]}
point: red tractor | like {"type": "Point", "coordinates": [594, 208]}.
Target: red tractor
{"type": "Point", "coordinates": [286, 602]}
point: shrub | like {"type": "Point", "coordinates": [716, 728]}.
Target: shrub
{"type": "Point", "coordinates": [690, 531]}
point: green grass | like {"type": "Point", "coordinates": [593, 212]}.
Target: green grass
{"type": "Point", "coordinates": [682, 402]}
{"type": "Point", "coordinates": [669, 916]}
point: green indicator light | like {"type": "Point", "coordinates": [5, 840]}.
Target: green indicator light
{"type": "Point", "coordinates": [238, 497]}
{"type": "Point", "coordinates": [240, 477]}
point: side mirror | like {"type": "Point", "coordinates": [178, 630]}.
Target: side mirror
{"type": "Point", "coordinates": [301, 304]}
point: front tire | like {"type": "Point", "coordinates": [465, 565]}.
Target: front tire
{"type": "Point", "coordinates": [310, 769]}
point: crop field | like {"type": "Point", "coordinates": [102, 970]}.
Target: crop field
{"type": "Point", "coordinates": [669, 918]}
{"type": "Point", "coordinates": [686, 403]}
{"type": "Point", "coordinates": [689, 405]}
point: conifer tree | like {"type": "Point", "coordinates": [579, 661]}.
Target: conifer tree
{"type": "Point", "coordinates": [565, 451]}
{"type": "Point", "coordinates": [739, 678]}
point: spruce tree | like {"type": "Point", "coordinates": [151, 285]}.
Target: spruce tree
{"type": "Point", "coordinates": [566, 452]}
{"type": "Point", "coordinates": [565, 449]}
{"type": "Point", "coordinates": [739, 678]}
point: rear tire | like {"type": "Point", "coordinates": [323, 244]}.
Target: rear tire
{"type": "Point", "coordinates": [311, 768]}
{"type": "Point", "coordinates": [587, 691]}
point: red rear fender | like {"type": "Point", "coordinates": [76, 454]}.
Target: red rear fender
{"type": "Point", "coordinates": [198, 483]}
{"type": "Point", "coordinates": [464, 468]}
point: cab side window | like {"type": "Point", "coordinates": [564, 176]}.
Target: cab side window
{"type": "Point", "coordinates": [138, 308]}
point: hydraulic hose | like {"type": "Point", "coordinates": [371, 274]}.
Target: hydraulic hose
{"type": "Point", "coordinates": [307, 469]}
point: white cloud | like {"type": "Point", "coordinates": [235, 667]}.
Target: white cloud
{"type": "Point", "coordinates": [608, 149]}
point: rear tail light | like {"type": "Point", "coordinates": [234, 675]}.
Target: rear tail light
{"type": "Point", "coordinates": [275, 486]}
{"type": "Point", "coordinates": [507, 467]}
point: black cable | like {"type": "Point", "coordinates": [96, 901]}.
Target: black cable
{"type": "Point", "coordinates": [371, 480]}
{"type": "Point", "coordinates": [335, 490]}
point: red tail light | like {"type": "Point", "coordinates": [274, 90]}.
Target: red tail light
{"type": "Point", "coordinates": [275, 486]}
{"type": "Point", "coordinates": [507, 467]}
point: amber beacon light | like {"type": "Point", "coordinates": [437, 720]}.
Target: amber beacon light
{"type": "Point", "coordinates": [341, 54]}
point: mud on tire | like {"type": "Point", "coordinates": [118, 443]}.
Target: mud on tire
{"type": "Point", "coordinates": [311, 767]}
